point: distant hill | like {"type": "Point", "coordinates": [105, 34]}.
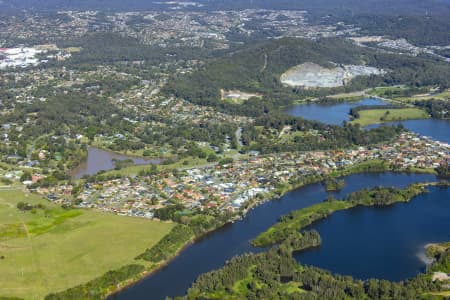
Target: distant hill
{"type": "Point", "coordinates": [389, 7]}
{"type": "Point", "coordinates": [385, 7]}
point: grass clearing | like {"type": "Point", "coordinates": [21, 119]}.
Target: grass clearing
{"type": "Point", "coordinates": [375, 116]}
{"type": "Point", "coordinates": [73, 49]}
{"type": "Point", "coordinates": [59, 249]}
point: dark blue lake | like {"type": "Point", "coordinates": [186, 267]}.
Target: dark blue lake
{"type": "Point", "coordinates": [387, 242]}
{"type": "Point", "coordinates": [214, 250]}
{"type": "Point", "coordinates": [330, 113]}
{"type": "Point", "coordinates": [437, 129]}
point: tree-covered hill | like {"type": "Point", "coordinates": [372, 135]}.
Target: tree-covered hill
{"type": "Point", "coordinates": [258, 68]}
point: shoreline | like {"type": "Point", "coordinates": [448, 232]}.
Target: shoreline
{"type": "Point", "coordinates": [157, 267]}
{"type": "Point", "coordinates": [269, 197]}
{"type": "Point", "coordinates": [147, 273]}
{"type": "Point", "coordinates": [303, 218]}
{"type": "Point", "coordinates": [149, 161]}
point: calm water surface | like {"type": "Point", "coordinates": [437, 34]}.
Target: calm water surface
{"type": "Point", "coordinates": [101, 160]}
{"type": "Point", "coordinates": [337, 113]}
{"type": "Point", "coordinates": [333, 113]}
{"type": "Point", "coordinates": [213, 251]}
{"type": "Point", "coordinates": [437, 129]}
{"type": "Point", "coordinates": [383, 242]}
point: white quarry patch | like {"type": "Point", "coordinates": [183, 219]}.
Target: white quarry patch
{"type": "Point", "coordinates": [312, 75]}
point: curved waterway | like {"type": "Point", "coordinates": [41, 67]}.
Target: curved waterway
{"type": "Point", "coordinates": [101, 160]}
{"type": "Point", "coordinates": [437, 129]}
{"type": "Point", "coordinates": [337, 113]}
{"type": "Point", "coordinates": [386, 242]}
{"type": "Point", "coordinates": [214, 250]}
{"type": "Point", "coordinates": [330, 113]}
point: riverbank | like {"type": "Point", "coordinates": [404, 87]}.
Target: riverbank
{"type": "Point", "coordinates": [117, 280]}
{"type": "Point", "coordinates": [368, 166]}
{"type": "Point", "coordinates": [364, 167]}
{"type": "Point", "coordinates": [148, 272]}
{"type": "Point", "coordinates": [162, 264]}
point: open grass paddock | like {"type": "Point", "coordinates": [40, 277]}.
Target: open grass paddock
{"type": "Point", "coordinates": [375, 116]}
{"type": "Point", "coordinates": [55, 249]}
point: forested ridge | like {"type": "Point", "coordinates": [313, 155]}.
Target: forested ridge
{"type": "Point", "coordinates": [258, 69]}
{"type": "Point", "coordinates": [318, 7]}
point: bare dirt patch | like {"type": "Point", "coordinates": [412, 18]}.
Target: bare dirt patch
{"type": "Point", "coordinates": [310, 75]}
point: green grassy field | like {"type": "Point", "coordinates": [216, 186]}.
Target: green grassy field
{"type": "Point", "coordinates": [375, 116]}
{"type": "Point", "coordinates": [389, 92]}
{"type": "Point", "coordinates": [57, 249]}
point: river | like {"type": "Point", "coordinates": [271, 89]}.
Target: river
{"type": "Point", "coordinates": [101, 160]}
{"type": "Point", "coordinates": [214, 250]}
{"type": "Point", "coordinates": [364, 242]}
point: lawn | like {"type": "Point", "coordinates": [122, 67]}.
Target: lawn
{"type": "Point", "coordinates": [63, 248]}
{"type": "Point", "coordinates": [375, 116]}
